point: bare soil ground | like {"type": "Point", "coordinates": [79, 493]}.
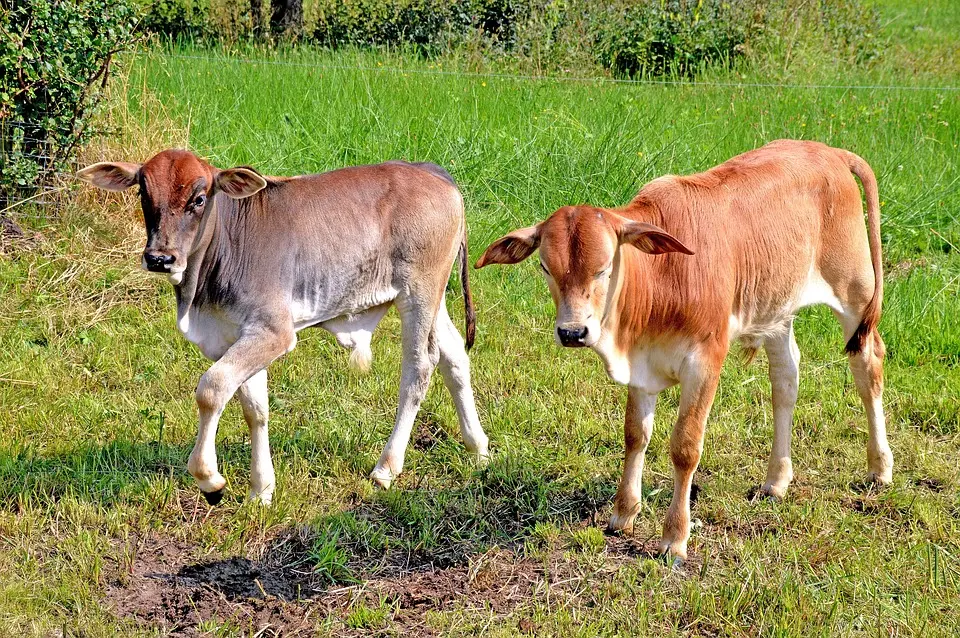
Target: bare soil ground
{"type": "Point", "coordinates": [166, 588]}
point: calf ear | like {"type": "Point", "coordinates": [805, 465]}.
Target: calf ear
{"type": "Point", "coordinates": [512, 248]}
{"type": "Point", "coordinates": [240, 182]}
{"type": "Point", "coordinates": [651, 239]}
{"type": "Point", "coordinates": [111, 176]}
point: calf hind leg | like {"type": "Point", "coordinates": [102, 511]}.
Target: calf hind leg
{"type": "Point", "coordinates": [420, 356]}
{"type": "Point", "coordinates": [867, 368]}
{"type": "Point", "coordinates": [455, 367]}
{"type": "Point", "coordinates": [784, 362]}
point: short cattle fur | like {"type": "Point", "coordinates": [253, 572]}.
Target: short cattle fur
{"type": "Point", "coordinates": [256, 259]}
{"type": "Point", "coordinates": [744, 246]}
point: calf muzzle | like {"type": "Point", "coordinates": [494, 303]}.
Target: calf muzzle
{"type": "Point", "coordinates": [156, 261]}
{"type": "Point", "coordinates": [572, 336]}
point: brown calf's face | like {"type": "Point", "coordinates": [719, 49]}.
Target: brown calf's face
{"type": "Point", "coordinates": [175, 189]}
{"type": "Point", "coordinates": [579, 256]}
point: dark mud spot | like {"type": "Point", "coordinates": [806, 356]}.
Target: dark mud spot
{"type": "Point", "coordinates": [428, 435]}
{"type": "Point", "coordinates": [240, 578]}
{"type": "Point", "coordinates": [932, 484]}
{"type": "Point", "coordinates": [165, 587]}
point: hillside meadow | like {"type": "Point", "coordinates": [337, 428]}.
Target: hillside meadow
{"type": "Point", "coordinates": [102, 531]}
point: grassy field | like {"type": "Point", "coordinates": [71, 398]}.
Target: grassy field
{"type": "Point", "coordinates": [102, 532]}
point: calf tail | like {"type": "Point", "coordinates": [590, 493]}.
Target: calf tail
{"type": "Point", "coordinates": [468, 309]}
{"type": "Point", "coordinates": [871, 313]}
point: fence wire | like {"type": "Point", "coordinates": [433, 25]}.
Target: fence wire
{"type": "Point", "coordinates": [33, 142]}
{"type": "Point", "coordinates": [557, 78]}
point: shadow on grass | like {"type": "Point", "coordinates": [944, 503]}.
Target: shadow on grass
{"type": "Point", "coordinates": [100, 474]}
{"type": "Point", "coordinates": [402, 528]}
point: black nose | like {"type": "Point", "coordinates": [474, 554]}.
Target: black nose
{"type": "Point", "coordinates": [157, 262]}
{"type": "Point", "coordinates": [572, 337]}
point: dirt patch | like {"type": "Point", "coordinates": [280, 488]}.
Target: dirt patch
{"type": "Point", "coordinates": [428, 435]}
{"type": "Point", "coordinates": [167, 588]}
{"type": "Point", "coordinates": [164, 584]}
{"type": "Point", "coordinates": [932, 484]}
{"type": "Point", "coordinates": [497, 581]}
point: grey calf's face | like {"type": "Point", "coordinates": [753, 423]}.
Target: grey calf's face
{"type": "Point", "coordinates": [176, 187]}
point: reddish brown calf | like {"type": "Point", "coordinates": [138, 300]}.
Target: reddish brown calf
{"type": "Point", "coordinates": [773, 230]}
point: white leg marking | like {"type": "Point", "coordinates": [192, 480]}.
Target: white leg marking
{"type": "Point", "coordinates": [867, 369]}
{"type": "Point", "coordinates": [455, 368]}
{"type": "Point", "coordinates": [254, 400]}
{"type": "Point", "coordinates": [244, 359]}
{"type": "Point", "coordinates": [784, 360]}
{"type": "Point", "coordinates": [202, 463]}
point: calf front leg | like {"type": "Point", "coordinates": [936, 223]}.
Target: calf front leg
{"type": "Point", "coordinates": [686, 446]}
{"type": "Point", "coordinates": [637, 429]}
{"type": "Point", "coordinates": [253, 352]}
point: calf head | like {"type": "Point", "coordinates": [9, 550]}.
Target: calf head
{"type": "Point", "coordinates": [579, 256]}
{"type": "Point", "coordinates": [175, 187]}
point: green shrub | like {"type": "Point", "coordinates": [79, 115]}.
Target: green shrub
{"type": "Point", "coordinates": [428, 25]}
{"type": "Point", "coordinates": [671, 37]}
{"type": "Point", "coordinates": [629, 38]}
{"type": "Point", "coordinates": [423, 23]}
{"type": "Point", "coordinates": [54, 61]}
{"type": "Point", "coordinates": [845, 29]}
{"type": "Point", "coordinates": [177, 19]}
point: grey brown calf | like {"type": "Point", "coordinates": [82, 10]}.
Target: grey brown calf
{"type": "Point", "coordinates": [254, 260]}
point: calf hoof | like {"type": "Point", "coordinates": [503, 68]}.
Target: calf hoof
{"type": "Point", "coordinates": [213, 498]}
{"type": "Point", "coordinates": [674, 552]}
{"type": "Point", "coordinates": [880, 478]}
{"type": "Point", "coordinates": [621, 525]}
{"type": "Point", "coordinates": [382, 478]}
{"type": "Point", "coordinates": [260, 498]}
{"type": "Point", "coordinates": [765, 493]}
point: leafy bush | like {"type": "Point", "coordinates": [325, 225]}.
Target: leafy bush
{"type": "Point", "coordinates": [671, 37]}
{"type": "Point", "coordinates": [428, 25]}
{"type": "Point", "coordinates": [847, 29]}
{"type": "Point", "coordinates": [177, 18]}
{"type": "Point", "coordinates": [629, 38]}
{"type": "Point", "coordinates": [424, 23]}
{"type": "Point", "coordinates": [54, 61]}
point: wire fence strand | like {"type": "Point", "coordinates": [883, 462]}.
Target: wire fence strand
{"type": "Point", "coordinates": [559, 78]}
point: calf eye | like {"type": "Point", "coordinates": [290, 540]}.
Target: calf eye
{"type": "Point", "coordinates": [601, 273]}
{"type": "Point", "coordinates": [200, 200]}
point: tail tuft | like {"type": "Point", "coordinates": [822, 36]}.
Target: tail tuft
{"type": "Point", "coordinates": [468, 309]}
{"type": "Point", "coordinates": [859, 339]}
